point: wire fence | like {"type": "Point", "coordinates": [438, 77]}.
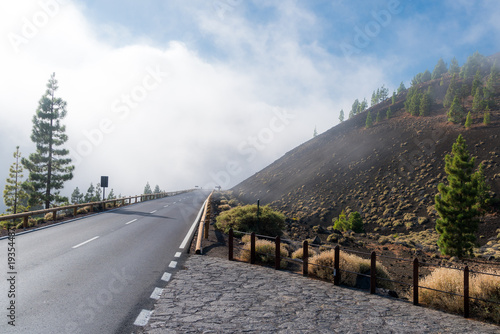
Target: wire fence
{"type": "Point", "coordinates": [337, 271]}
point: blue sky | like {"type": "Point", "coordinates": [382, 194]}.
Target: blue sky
{"type": "Point", "coordinates": [204, 92]}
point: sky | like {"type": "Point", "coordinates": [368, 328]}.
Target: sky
{"type": "Point", "coordinates": [185, 93]}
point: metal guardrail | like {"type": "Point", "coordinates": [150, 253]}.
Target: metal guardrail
{"type": "Point", "coordinates": [204, 224]}
{"type": "Point", "coordinates": [75, 207]}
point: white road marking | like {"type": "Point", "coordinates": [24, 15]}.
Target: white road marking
{"type": "Point", "coordinates": [153, 211]}
{"type": "Point", "coordinates": [156, 293]}
{"type": "Point", "coordinates": [178, 254]}
{"type": "Point", "coordinates": [166, 277]}
{"type": "Point", "coordinates": [143, 318]}
{"type": "Point", "coordinates": [130, 222]}
{"type": "Point", "coordinates": [172, 264]}
{"type": "Point", "coordinates": [188, 235]}
{"type": "Point", "coordinates": [165, 206]}
{"type": "Point", "coordinates": [85, 242]}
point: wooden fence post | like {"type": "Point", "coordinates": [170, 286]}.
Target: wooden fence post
{"type": "Point", "coordinates": [466, 292]}
{"type": "Point", "coordinates": [277, 253]}
{"type": "Point", "coordinates": [54, 215]}
{"type": "Point", "coordinates": [373, 273]}
{"type": "Point", "coordinates": [75, 209]}
{"type": "Point", "coordinates": [230, 244]}
{"type": "Point", "coordinates": [252, 248]}
{"type": "Point", "coordinates": [415, 281]}
{"type": "Point", "coordinates": [305, 258]}
{"type": "Point", "coordinates": [336, 266]}
{"type": "Point", "coordinates": [25, 222]}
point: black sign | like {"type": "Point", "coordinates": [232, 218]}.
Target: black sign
{"type": "Point", "coordinates": [104, 181]}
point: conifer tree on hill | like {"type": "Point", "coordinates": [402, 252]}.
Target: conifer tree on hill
{"type": "Point", "coordinates": [49, 167]}
{"type": "Point", "coordinates": [15, 197]}
{"type": "Point", "coordinates": [457, 203]}
{"type": "Point", "coordinates": [440, 69]}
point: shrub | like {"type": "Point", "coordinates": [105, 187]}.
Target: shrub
{"type": "Point", "coordinates": [298, 254]}
{"type": "Point", "coordinates": [49, 217]}
{"type": "Point", "coordinates": [244, 219]}
{"type": "Point", "coordinates": [322, 265]}
{"type": "Point", "coordinates": [481, 286]}
{"type": "Point", "coordinates": [224, 207]}
{"type": "Point", "coordinates": [264, 252]}
{"type": "Point", "coordinates": [355, 223]}
{"type": "Point", "coordinates": [6, 224]}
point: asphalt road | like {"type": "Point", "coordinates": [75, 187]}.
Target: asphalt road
{"type": "Point", "coordinates": [95, 275]}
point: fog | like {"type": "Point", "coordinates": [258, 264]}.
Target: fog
{"type": "Point", "coordinates": [201, 93]}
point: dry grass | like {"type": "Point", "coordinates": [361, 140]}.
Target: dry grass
{"type": "Point", "coordinates": [481, 286]}
{"type": "Point", "coordinates": [264, 252]}
{"type": "Point", "coordinates": [321, 266]}
{"type": "Point", "coordinates": [299, 253]}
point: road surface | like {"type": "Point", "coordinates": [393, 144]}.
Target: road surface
{"type": "Point", "coordinates": [95, 275]}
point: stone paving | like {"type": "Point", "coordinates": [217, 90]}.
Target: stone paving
{"type": "Point", "coordinates": [213, 295]}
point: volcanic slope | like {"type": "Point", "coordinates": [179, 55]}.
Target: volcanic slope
{"type": "Point", "coordinates": [388, 172]}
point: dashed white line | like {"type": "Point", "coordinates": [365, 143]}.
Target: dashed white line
{"type": "Point", "coordinates": [130, 222]}
{"type": "Point", "coordinates": [172, 264]}
{"type": "Point", "coordinates": [166, 277]}
{"type": "Point", "coordinates": [165, 206]}
{"type": "Point", "coordinates": [156, 293]}
{"type": "Point", "coordinates": [178, 254]}
{"type": "Point", "coordinates": [85, 242]}
{"type": "Point", "coordinates": [143, 318]}
{"type": "Point", "coordinates": [153, 211]}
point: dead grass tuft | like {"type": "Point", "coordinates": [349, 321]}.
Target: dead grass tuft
{"type": "Point", "coordinates": [264, 252]}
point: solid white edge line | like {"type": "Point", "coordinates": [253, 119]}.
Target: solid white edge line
{"type": "Point", "coordinates": [156, 293]}
{"type": "Point", "coordinates": [153, 211]}
{"type": "Point", "coordinates": [85, 242]}
{"type": "Point", "coordinates": [188, 235]}
{"type": "Point", "coordinates": [130, 222]}
{"type": "Point", "coordinates": [143, 318]}
{"type": "Point", "coordinates": [166, 277]}
{"type": "Point", "coordinates": [172, 264]}
{"type": "Point", "coordinates": [178, 254]}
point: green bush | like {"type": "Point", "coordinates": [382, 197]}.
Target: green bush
{"type": "Point", "coordinates": [355, 223]}
{"type": "Point", "coordinates": [244, 219]}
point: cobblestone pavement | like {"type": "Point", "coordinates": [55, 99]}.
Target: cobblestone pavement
{"type": "Point", "coordinates": [213, 295]}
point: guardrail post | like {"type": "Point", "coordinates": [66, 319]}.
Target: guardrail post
{"type": "Point", "coordinates": [230, 242]}
{"type": "Point", "coordinates": [373, 273]}
{"type": "Point", "coordinates": [466, 292]}
{"type": "Point", "coordinates": [123, 202]}
{"type": "Point", "coordinates": [54, 215]}
{"type": "Point", "coordinates": [336, 266]}
{"type": "Point", "coordinates": [75, 209]}
{"type": "Point", "coordinates": [415, 281]}
{"type": "Point", "coordinates": [25, 222]}
{"type": "Point", "coordinates": [277, 253]}
{"type": "Point", "coordinates": [305, 258]}
{"type": "Point", "coordinates": [135, 199]}
{"type": "Point", "coordinates": [252, 248]}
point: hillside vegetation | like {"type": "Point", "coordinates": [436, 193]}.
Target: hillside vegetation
{"type": "Point", "coordinates": [389, 170]}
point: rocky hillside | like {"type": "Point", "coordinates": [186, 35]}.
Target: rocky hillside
{"type": "Point", "coordinates": [389, 172]}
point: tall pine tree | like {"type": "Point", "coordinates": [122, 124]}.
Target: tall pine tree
{"type": "Point", "coordinates": [457, 203]}
{"type": "Point", "coordinates": [14, 196]}
{"type": "Point", "coordinates": [49, 167]}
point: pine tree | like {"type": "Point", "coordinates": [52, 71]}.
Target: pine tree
{"type": "Point", "coordinates": [374, 100]}
{"type": "Point", "coordinates": [393, 97]}
{"type": "Point", "coordinates": [14, 195]}
{"type": "Point", "coordinates": [493, 84]}
{"type": "Point", "coordinates": [388, 113]}
{"type": "Point", "coordinates": [483, 190]}
{"type": "Point", "coordinates": [456, 112]}
{"type": "Point", "coordinates": [362, 106]}
{"type": "Point", "coordinates": [468, 121]}
{"type": "Point", "coordinates": [476, 83]}
{"type": "Point", "coordinates": [356, 222]}
{"type": "Point", "coordinates": [89, 196]}
{"type": "Point", "coordinates": [341, 116]}
{"type": "Point", "coordinates": [487, 117]}
{"type": "Point", "coordinates": [49, 166]}
{"type": "Point", "coordinates": [383, 93]}
{"type": "Point", "coordinates": [454, 67]}
{"type": "Point", "coordinates": [341, 222]}
{"type": "Point", "coordinates": [478, 102]}
{"type": "Point", "coordinates": [147, 189]}
{"type": "Point", "coordinates": [456, 203]}
{"type": "Point", "coordinates": [354, 109]}
{"type": "Point", "coordinates": [451, 92]}
{"type": "Point", "coordinates": [315, 133]}
{"type": "Point", "coordinates": [473, 64]}
{"type": "Point", "coordinates": [425, 104]}
{"type": "Point", "coordinates": [111, 194]}
{"type": "Point", "coordinates": [98, 193]}
{"type": "Point", "coordinates": [157, 189]}
{"type": "Point", "coordinates": [440, 69]}
{"type": "Point", "coordinates": [76, 196]}
{"type": "Point", "coordinates": [426, 76]}
{"type": "Point", "coordinates": [369, 121]}
{"type": "Point", "coordinates": [377, 119]}
{"type": "Point", "coordinates": [401, 87]}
